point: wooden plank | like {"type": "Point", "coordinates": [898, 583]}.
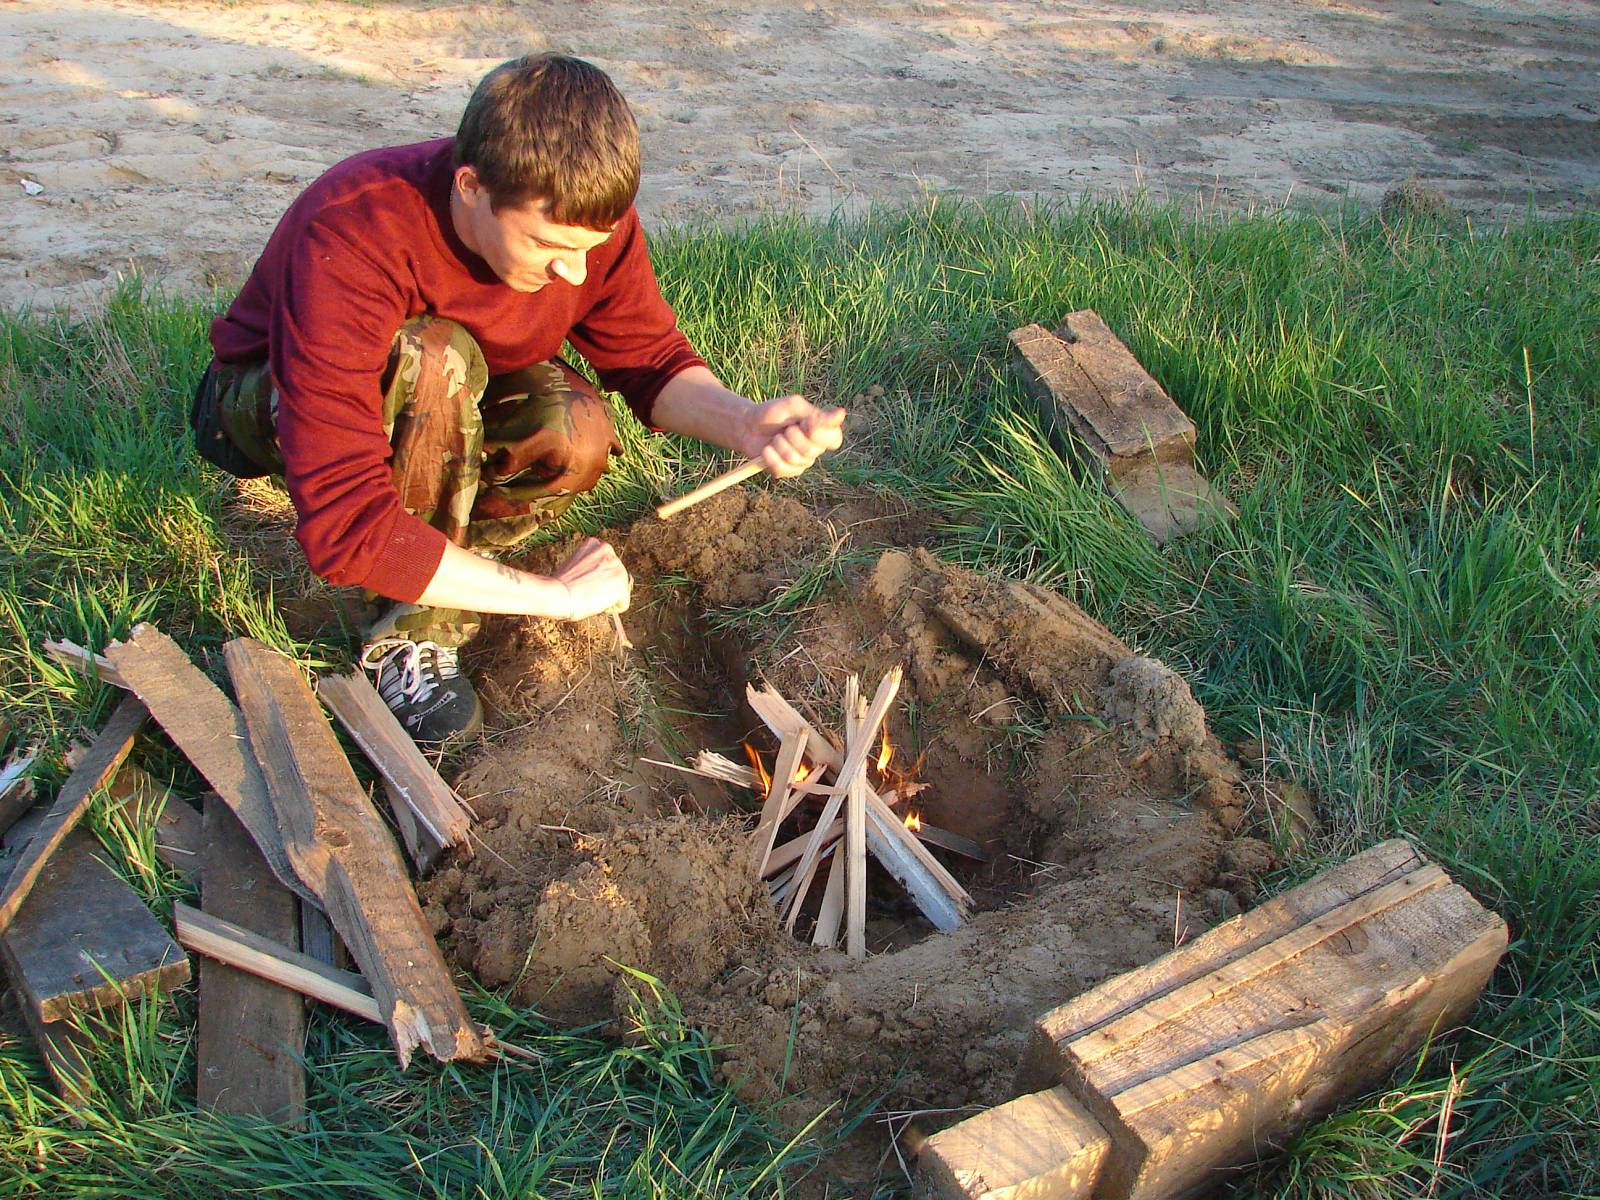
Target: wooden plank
{"type": "Point", "coordinates": [205, 725]}
{"type": "Point", "coordinates": [833, 900]}
{"type": "Point", "coordinates": [83, 940]}
{"type": "Point", "coordinates": [341, 848]}
{"type": "Point", "coordinates": [251, 1033]}
{"type": "Point", "coordinates": [85, 662]}
{"type": "Point", "coordinates": [67, 1052]}
{"type": "Point", "coordinates": [791, 749]}
{"type": "Point", "coordinates": [1082, 375]}
{"type": "Point", "coordinates": [179, 833]}
{"type": "Point", "coordinates": [888, 848]}
{"type": "Point", "coordinates": [238, 947]}
{"type": "Point", "coordinates": [318, 940]}
{"type": "Point", "coordinates": [422, 847]}
{"type": "Point", "coordinates": [1273, 1021]}
{"type": "Point", "coordinates": [101, 761]}
{"type": "Point", "coordinates": [855, 827]}
{"type": "Point", "coordinates": [437, 808]}
{"type": "Point", "coordinates": [1045, 1146]}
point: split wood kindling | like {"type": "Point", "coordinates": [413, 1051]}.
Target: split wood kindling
{"type": "Point", "coordinates": [855, 820]}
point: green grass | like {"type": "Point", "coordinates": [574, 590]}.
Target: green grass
{"type": "Point", "coordinates": [1408, 417]}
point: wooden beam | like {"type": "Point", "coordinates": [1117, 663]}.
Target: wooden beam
{"type": "Point", "coordinates": [67, 1052]}
{"type": "Point", "coordinates": [205, 725]}
{"type": "Point", "coordinates": [83, 940]}
{"type": "Point", "coordinates": [890, 849]}
{"type": "Point", "coordinates": [438, 810]}
{"type": "Point", "coordinates": [98, 765]}
{"type": "Point", "coordinates": [1233, 1041]}
{"type": "Point", "coordinates": [251, 1033]}
{"type": "Point", "coordinates": [1040, 1147]}
{"type": "Point", "coordinates": [341, 848]}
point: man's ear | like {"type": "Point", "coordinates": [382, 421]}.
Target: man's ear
{"type": "Point", "coordinates": [470, 187]}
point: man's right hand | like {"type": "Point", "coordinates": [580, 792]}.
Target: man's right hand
{"type": "Point", "coordinates": [596, 579]}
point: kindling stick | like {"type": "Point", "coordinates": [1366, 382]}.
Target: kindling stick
{"type": "Point", "coordinates": [705, 491]}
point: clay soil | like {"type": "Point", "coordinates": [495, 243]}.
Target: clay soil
{"type": "Point", "coordinates": [1111, 815]}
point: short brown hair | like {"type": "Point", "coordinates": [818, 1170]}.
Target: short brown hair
{"type": "Point", "coordinates": [551, 127]}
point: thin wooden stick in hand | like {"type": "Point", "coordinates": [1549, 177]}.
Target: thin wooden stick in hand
{"type": "Point", "coordinates": [706, 490]}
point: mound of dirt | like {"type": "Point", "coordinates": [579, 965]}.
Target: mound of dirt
{"type": "Point", "coordinates": [1107, 809]}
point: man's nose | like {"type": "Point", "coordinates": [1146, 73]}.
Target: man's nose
{"type": "Point", "coordinates": [573, 268]}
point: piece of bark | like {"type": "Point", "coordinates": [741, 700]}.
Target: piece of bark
{"type": "Point", "coordinates": [441, 821]}
{"type": "Point", "coordinates": [251, 1033]}
{"type": "Point", "coordinates": [83, 940]}
{"type": "Point", "coordinates": [1040, 1147]}
{"type": "Point", "coordinates": [343, 851]}
{"type": "Point", "coordinates": [205, 725]}
{"type": "Point", "coordinates": [1199, 1061]}
{"type": "Point", "coordinates": [101, 761]}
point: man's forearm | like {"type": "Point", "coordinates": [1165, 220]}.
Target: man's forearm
{"type": "Point", "coordinates": [695, 403]}
{"type": "Point", "coordinates": [469, 581]}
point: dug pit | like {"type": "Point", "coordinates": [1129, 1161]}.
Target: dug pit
{"type": "Point", "coordinates": [1109, 814]}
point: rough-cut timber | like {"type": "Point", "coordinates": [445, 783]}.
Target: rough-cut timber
{"type": "Point", "coordinates": [251, 1033]}
{"type": "Point", "coordinates": [71, 802]}
{"type": "Point", "coordinates": [343, 851]}
{"type": "Point", "coordinates": [179, 829]}
{"type": "Point", "coordinates": [1088, 385]}
{"type": "Point", "coordinates": [1041, 1147]}
{"type": "Point", "coordinates": [438, 818]}
{"type": "Point", "coordinates": [67, 1052]}
{"type": "Point", "coordinates": [204, 724]}
{"type": "Point", "coordinates": [1203, 1059]}
{"type": "Point", "coordinates": [83, 940]}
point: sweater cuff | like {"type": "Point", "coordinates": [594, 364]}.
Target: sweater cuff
{"type": "Point", "coordinates": [408, 561]}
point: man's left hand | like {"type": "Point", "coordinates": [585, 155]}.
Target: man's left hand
{"type": "Point", "coordinates": [787, 435]}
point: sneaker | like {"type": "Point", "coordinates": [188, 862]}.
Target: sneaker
{"type": "Point", "coordinates": [422, 684]}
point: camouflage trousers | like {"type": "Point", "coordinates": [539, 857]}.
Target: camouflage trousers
{"type": "Point", "coordinates": [485, 460]}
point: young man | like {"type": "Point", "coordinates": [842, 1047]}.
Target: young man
{"type": "Point", "coordinates": [394, 356]}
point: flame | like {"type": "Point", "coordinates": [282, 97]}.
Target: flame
{"type": "Point", "coordinates": [762, 777]}
{"type": "Point", "coordinates": [885, 753]}
{"type": "Point", "coordinates": [801, 773]}
{"type": "Point", "coordinates": [913, 822]}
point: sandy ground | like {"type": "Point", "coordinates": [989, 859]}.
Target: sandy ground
{"type": "Point", "coordinates": [171, 136]}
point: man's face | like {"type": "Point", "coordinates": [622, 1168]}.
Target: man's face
{"type": "Point", "coordinates": [526, 249]}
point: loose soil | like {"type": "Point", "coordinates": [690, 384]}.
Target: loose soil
{"type": "Point", "coordinates": [170, 135]}
{"type": "Point", "coordinates": [1111, 814]}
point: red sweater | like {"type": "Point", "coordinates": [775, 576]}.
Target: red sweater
{"type": "Point", "coordinates": [368, 246]}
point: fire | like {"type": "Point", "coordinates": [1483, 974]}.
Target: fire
{"type": "Point", "coordinates": [885, 753]}
{"type": "Point", "coordinates": [801, 773]}
{"type": "Point", "coordinates": [913, 822]}
{"type": "Point", "coordinates": [762, 777]}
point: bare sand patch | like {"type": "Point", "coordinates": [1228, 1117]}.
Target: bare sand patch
{"type": "Point", "coordinates": [169, 137]}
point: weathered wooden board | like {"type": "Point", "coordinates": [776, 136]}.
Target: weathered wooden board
{"type": "Point", "coordinates": [1044, 1146]}
{"type": "Point", "coordinates": [1092, 394]}
{"type": "Point", "coordinates": [1200, 1060]}
{"type": "Point", "coordinates": [179, 828]}
{"type": "Point", "coordinates": [83, 940]}
{"type": "Point", "coordinates": [99, 763]}
{"type": "Point", "coordinates": [204, 724]}
{"type": "Point", "coordinates": [431, 816]}
{"type": "Point", "coordinates": [343, 851]}
{"type": "Point", "coordinates": [251, 1032]}
{"type": "Point", "coordinates": [67, 1052]}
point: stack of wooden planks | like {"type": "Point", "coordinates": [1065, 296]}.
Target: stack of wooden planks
{"type": "Point", "coordinates": [289, 852]}
{"type": "Point", "coordinates": [1156, 1082]}
{"type": "Point", "coordinates": [855, 819]}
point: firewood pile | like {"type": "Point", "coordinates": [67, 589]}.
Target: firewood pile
{"type": "Point", "coordinates": [857, 816]}
{"type": "Point", "coordinates": [294, 865]}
